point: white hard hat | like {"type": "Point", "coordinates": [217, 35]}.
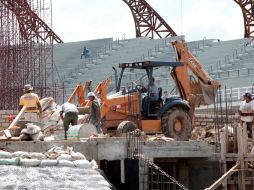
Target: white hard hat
{"type": "Point", "coordinates": [90, 94]}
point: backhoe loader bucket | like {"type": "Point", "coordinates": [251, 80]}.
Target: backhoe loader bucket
{"type": "Point", "coordinates": [203, 94]}
{"type": "Point", "coordinates": [209, 93]}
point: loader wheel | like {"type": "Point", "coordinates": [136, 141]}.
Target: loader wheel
{"type": "Point", "coordinates": [125, 127]}
{"type": "Point", "coordinates": [176, 123]}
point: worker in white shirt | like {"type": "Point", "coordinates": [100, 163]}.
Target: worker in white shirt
{"type": "Point", "coordinates": [246, 112]}
{"type": "Point", "coordinates": [70, 117]}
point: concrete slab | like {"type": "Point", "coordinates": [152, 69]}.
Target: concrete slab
{"type": "Point", "coordinates": [116, 148]}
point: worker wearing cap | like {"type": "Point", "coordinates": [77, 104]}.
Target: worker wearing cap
{"type": "Point", "coordinates": [70, 117]}
{"type": "Point", "coordinates": [32, 103]}
{"type": "Point", "coordinates": [94, 112]}
{"type": "Point", "coordinates": [246, 112]}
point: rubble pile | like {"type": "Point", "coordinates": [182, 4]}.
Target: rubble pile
{"type": "Point", "coordinates": [50, 116]}
{"type": "Point", "coordinates": [50, 126]}
{"type": "Point", "coordinates": [209, 133]}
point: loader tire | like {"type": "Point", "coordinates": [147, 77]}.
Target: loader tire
{"type": "Point", "coordinates": [176, 123]}
{"type": "Point", "coordinates": [125, 127]}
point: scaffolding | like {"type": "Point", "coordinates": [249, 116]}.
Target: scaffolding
{"type": "Point", "coordinates": [26, 49]}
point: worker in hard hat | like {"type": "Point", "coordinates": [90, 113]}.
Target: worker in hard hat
{"type": "Point", "coordinates": [94, 112]}
{"type": "Point", "coordinates": [32, 103]}
{"type": "Point", "coordinates": [70, 117]}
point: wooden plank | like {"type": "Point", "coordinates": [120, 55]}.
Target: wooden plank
{"type": "Point", "coordinates": [12, 139]}
{"type": "Point", "coordinates": [252, 132]}
{"type": "Point", "coordinates": [224, 177]}
{"type": "Point", "coordinates": [7, 131]}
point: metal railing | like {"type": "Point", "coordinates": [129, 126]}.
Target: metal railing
{"type": "Point", "coordinates": [237, 73]}
{"type": "Point", "coordinates": [236, 94]}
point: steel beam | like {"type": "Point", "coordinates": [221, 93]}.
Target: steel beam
{"type": "Point", "coordinates": [148, 22]}
{"type": "Point", "coordinates": [31, 26]}
{"type": "Point", "coordinates": [247, 7]}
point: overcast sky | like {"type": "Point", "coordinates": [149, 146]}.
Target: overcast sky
{"type": "Point", "coordinates": [78, 20]}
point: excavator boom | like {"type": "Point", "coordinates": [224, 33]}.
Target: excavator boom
{"type": "Point", "coordinates": [201, 89]}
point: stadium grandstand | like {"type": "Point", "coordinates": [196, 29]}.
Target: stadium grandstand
{"type": "Point", "coordinates": [230, 62]}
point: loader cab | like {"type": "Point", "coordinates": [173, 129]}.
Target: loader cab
{"type": "Point", "coordinates": [150, 108]}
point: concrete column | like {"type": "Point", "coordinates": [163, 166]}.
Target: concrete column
{"type": "Point", "coordinates": [143, 175]}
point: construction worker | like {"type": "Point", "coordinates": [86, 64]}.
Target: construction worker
{"type": "Point", "coordinates": [70, 117]}
{"type": "Point", "coordinates": [32, 103]}
{"type": "Point", "coordinates": [94, 112]}
{"type": "Point", "coordinates": [153, 96]}
{"type": "Point", "coordinates": [246, 112]}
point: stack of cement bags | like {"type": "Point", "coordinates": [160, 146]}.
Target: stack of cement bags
{"type": "Point", "coordinates": [58, 168]}
{"type": "Point", "coordinates": [31, 133]}
{"type": "Point", "coordinates": [56, 156]}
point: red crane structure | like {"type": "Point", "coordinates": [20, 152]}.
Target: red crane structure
{"type": "Point", "coordinates": [247, 7]}
{"type": "Point", "coordinates": [148, 22]}
{"type": "Point", "coordinates": [26, 49]}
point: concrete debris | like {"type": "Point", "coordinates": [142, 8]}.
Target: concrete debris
{"type": "Point", "coordinates": [51, 126]}
{"type": "Point", "coordinates": [208, 133]}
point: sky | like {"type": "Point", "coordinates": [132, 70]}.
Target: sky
{"type": "Point", "coordinates": [79, 20]}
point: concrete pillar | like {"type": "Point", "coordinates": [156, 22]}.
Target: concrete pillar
{"type": "Point", "coordinates": [143, 175]}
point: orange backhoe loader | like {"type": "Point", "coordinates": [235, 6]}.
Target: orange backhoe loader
{"type": "Point", "coordinates": [123, 111]}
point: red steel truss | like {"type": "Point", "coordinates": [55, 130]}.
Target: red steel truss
{"type": "Point", "coordinates": [148, 22]}
{"type": "Point", "coordinates": [247, 7]}
{"type": "Point", "coordinates": [26, 49]}
{"type": "Point", "coordinates": [32, 28]}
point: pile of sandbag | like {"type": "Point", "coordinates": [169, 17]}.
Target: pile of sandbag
{"type": "Point", "coordinates": [31, 133]}
{"type": "Point", "coordinates": [56, 156]}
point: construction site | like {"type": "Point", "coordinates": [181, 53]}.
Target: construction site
{"type": "Point", "coordinates": [170, 110]}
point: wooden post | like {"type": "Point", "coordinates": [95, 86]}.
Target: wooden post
{"type": "Point", "coordinates": [241, 130]}
{"type": "Point", "coordinates": [174, 175]}
{"type": "Point", "coordinates": [122, 171]}
{"type": "Point", "coordinates": [235, 139]}
{"type": "Point", "coordinates": [223, 161]}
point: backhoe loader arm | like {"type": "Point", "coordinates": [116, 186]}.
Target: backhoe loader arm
{"type": "Point", "coordinates": [100, 90]}
{"type": "Point", "coordinates": [79, 91]}
{"type": "Point", "coordinates": [203, 83]}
